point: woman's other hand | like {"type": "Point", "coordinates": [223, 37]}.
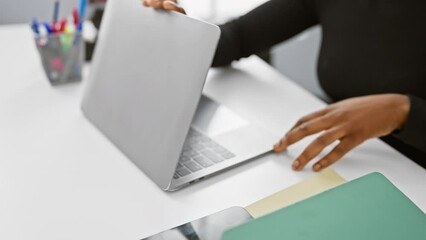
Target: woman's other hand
{"type": "Point", "coordinates": [169, 5]}
{"type": "Point", "coordinates": [350, 122]}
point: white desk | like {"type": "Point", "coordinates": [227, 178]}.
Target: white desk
{"type": "Point", "coordinates": [61, 179]}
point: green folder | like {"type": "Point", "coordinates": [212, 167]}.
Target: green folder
{"type": "Point", "coordinates": [370, 207]}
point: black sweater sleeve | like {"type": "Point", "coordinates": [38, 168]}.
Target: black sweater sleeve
{"type": "Point", "coordinates": [263, 27]}
{"type": "Point", "coordinates": [414, 131]}
{"type": "Point", "coordinates": [366, 49]}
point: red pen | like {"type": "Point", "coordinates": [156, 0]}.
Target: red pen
{"type": "Point", "coordinates": [75, 16]}
{"type": "Point", "coordinates": [62, 24]}
{"type": "Point", "coordinates": [54, 27]}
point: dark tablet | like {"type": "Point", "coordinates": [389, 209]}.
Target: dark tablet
{"type": "Point", "coordinates": [206, 228]}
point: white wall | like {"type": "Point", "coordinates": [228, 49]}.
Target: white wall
{"type": "Point", "coordinates": [295, 58]}
{"type": "Point", "coordinates": [22, 11]}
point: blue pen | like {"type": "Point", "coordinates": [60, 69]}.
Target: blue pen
{"type": "Point", "coordinates": [83, 4]}
{"type": "Point", "coordinates": [56, 12]}
{"type": "Point", "coordinates": [48, 28]}
{"type": "Point", "coordinates": [80, 26]}
{"type": "Point", "coordinates": [82, 12]}
{"type": "Point", "coordinates": [34, 26]}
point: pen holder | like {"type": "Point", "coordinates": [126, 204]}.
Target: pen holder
{"type": "Point", "coordinates": [62, 56]}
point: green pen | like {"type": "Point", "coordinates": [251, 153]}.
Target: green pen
{"type": "Point", "coordinates": [67, 37]}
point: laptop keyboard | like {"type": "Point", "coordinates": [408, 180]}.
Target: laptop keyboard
{"type": "Point", "coordinates": [199, 152]}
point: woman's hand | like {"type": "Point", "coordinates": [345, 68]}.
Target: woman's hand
{"type": "Point", "coordinates": [351, 122]}
{"type": "Point", "coordinates": [169, 5]}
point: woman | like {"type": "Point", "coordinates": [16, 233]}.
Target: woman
{"type": "Point", "coordinates": [372, 62]}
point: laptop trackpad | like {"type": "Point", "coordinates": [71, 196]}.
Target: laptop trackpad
{"type": "Point", "coordinates": [214, 119]}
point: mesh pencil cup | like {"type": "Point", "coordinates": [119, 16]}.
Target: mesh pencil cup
{"type": "Point", "coordinates": [62, 56]}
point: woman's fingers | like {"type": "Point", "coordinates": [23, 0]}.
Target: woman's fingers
{"type": "Point", "coordinates": [310, 117]}
{"type": "Point", "coordinates": [169, 5]}
{"type": "Point", "coordinates": [345, 145]}
{"type": "Point", "coordinates": [174, 1]}
{"type": "Point", "coordinates": [282, 144]}
{"type": "Point", "coordinates": [316, 147]}
{"type": "Point", "coordinates": [172, 6]}
{"type": "Point", "coordinates": [357, 119]}
{"type": "Point", "coordinates": [157, 4]}
{"type": "Point", "coordinates": [303, 130]}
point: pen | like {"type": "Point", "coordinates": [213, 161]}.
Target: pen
{"type": "Point", "coordinates": [55, 17]}
{"type": "Point", "coordinates": [56, 12]}
{"type": "Point", "coordinates": [34, 26]}
{"type": "Point", "coordinates": [80, 26]}
{"type": "Point", "coordinates": [83, 4]}
{"type": "Point", "coordinates": [70, 27]}
{"type": "Point", "coordinates": [75, 16]}
{"type": "Point", "coordinates": [72, 55]}
{"type": "Point", "coordinates": [62, 24]}
{"type": "Point", "coordinates": [48, 28]}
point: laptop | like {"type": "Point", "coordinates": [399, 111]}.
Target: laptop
{"type": "Point", "coordinates": [144, 93]}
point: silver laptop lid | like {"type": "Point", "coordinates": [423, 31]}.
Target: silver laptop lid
{"type": "Point", "coordinates": [146, 79]}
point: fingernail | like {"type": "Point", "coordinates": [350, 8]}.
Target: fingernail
{"type": "Point", "coordinates": [276, 146]}
{"type": "Point", "coordinates": [317, 167]}
{"type": "Point", "coordinates": [295, 164]}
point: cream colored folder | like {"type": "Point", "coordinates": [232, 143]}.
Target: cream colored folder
{"type": "Point", "coordinates": [321, 182]}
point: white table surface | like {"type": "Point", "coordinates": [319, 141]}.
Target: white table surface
{"type": "Point", "coordinates": [62, 179]}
